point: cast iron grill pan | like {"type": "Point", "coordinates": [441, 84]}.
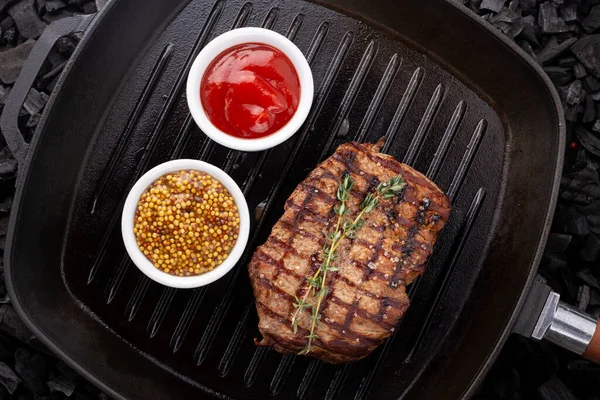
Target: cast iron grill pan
{"type": "Point", "coordinates": [368, 83]}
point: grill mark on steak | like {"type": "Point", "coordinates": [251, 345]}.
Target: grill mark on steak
{"type": "Point", "coordinates": [338, 327]}
{"type": "Point", "coordinates": [373, 182]}
{"type": "Point", "coordinates": [325, 173]}
{"type": "Point", "coordinates": [313, 265]}
{"type": "Point", "coordinates": [407, 251]}
{"type": "Point", "coordinates": [295, 231]}
{"type": "Point", "coordinates": [314, 215]}
{"type": "Point", "coordinates": [261, 255]}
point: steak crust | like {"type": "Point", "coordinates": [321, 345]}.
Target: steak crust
{"type": "Point", "coordinates": [367, 295]}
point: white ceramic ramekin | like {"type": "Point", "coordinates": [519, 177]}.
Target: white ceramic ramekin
{"type": "Point", "coordinates": [140, 260]}
{"type": "Point", "coordinates": [233, 38]}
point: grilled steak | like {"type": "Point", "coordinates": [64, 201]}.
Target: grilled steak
{"type": "Point", "coordinates": [367, 295]}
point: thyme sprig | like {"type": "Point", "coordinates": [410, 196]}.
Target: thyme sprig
{"type": "Point", "coordinates": [343, 229]}
{"type": "Point", "coordinates": [316, 281]}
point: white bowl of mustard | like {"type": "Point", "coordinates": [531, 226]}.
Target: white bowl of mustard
{"type": "Point", "coordinates": [170, 232]}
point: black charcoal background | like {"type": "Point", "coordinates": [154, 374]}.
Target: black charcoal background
{"type": "Point", "coordinates": [563, 36]}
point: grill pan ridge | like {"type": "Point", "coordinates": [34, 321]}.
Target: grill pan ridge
{"type": "Point", "coordinates": [368, 83]}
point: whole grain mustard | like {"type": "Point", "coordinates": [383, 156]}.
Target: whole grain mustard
{"type": "Point", "coordinates": [186, 223]}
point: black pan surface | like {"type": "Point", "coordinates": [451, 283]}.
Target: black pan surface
{"type": "Point", "coordinates": [453, 98]}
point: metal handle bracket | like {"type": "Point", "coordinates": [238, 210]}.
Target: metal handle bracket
{"type": "Point", "coordinates": [564, 325]}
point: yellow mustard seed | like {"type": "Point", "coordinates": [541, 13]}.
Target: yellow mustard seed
{"type": "Point", "coordinates": [186, 223]}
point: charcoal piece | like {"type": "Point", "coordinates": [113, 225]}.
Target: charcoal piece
{"type": "Point", "coordinates": [558, 242]}
{"type": "Point", "coordinates": [83, 396]}
{"type": "Point", "coordinates": [592, 21]}
{"type": "Point", "coordinates": [549, 20]}
{"type": "Point", "coordinates": [589, 140]}
{"type": "Point", "coordinates": [552, 49]}
{"type": "Point", "coordinates": [35, 101]}
{"type": "Point", "coordinates": [576, 223]}
{"type": "Point", "coordinates": [6, 24]}
{"type": "Point", "coordinates": [530, 31]}
{"type": "Point", "coordinates": [7, 348]}
{"type": "Point", "coordinates": [586, 276]}
{"type": "Point", "coordinates": [5, 206]}
{"type": "Point", "coordinates": [583, 296]}
{"type": "Point", "coordinates": [596, 127]}
{"type": "Point", "coordinates": [67, 371]}
{"type": "Point", "coordinates": [33, 370]}
{"type": "Point", "coordinates": [8, 378]}
{"type": "Point", "coordinates": [65, 46]}
{"type": "Point", "coordinates": [555, 389]}
{"type": "Point", "coordinates": [4, 4]}
{"type": "Point", "coordinates": [509, 22]}
{"type": "Point", "coordinates": [52, 84]}
{"type": "Point", "coordinates": [492, 5]}
{"type": "Point", "coordinates": [579, 70]}
{"type": "Point", "coordinates": [579, 364]}
{"type": "Point", "coordinates": [3, 230]}
{"type": "Point", "coordinates": [572, 113]}
{"type": "Point", "coordinates": [528, 5]}
{"type": "Point", "coordinates": [52, 17]}
{"type": "Point", "coordinates": [4, 92]}
{"type": "Point", "coordinates": [589, 113]}
{"type": "Point", "coordinates": [580, 188]}
{"type": "Point", "coordinates": [27, 20]}
{"type": "Point", "coordinates": [11, 61]}
{"type": "Point", "coordinates": [573, 93]}
{"type": "Point", "coordinates": [594, 301]}
{"type": "Point", "coordinates": [56, 59]}
{"type": "Point", "coordinates": [591, 248]}
{"type": "Point", "coordinates": [63, 385]}
{"type": "Point", "coordinates": [54, 71]}
{"type": "Point", "coordinates": [559, 75]}
{"type": "Point", "coordinates": [33, 121]}
{"type": "Point", "coordinates": [574, 29]}
{"type": "Point", "coordinates": [40, 6]}
{"type": "Point", "coordinates": [8, 169]}
{"type": "Point", "coordinates": [10, 35]}
{"type": "Point", "coordinates": [567, 61]}
{"type": "Point", "coordinates": [11, 324]}
{"type": "Point", "coordinates": [587, 50]}
{"type": "Point", "coordinates": [89, 8]}
{"type": "Point", "coordinates": [53, 6]}
{"type": "Point", "coordinates": [569, 11]}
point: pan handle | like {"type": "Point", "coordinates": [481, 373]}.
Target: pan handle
{"type": "Point", "coordinates": [9, 118]}
{"type": "Point", "coordinates": [592, 352]}
{"type": "Point", "coordinates": [566, 326]}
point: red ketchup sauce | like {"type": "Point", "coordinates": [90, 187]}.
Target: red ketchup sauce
{"type": "Point", "coordinates": [250, 90]}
